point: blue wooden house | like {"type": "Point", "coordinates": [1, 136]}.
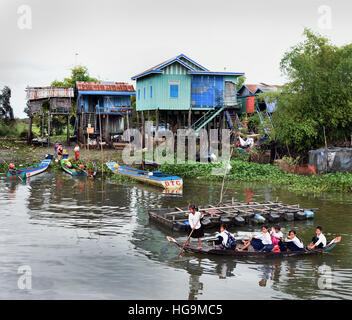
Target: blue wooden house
{"type": "Point", "coordinates": [103, 106]}
{"type": "Point", "coordinates": [184, 94]}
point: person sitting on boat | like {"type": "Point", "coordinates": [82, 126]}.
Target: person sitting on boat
{"type": "Point", "coordinates": [276, 235]}
{"type": "Point", "coordinates": [291, 243]}
{"type": "Point", "coordinates": [68, 164]}
{"type": "Point", "coordinates": [318, 241]}
{"type": "Point", "coordinates": [195, 226]}
{"type": "Point", "coordinates": [261, 242]}
{"type": "Point", "coordinates": [225, 239]}
{"type": "Point", "coordinates": [12, 168]}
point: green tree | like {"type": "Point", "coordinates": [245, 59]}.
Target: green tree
{"type": "Point", "coordinates": [318, 94]}
{"type": "Point", "coordinates": [240, 83]}
{"type": "Point", "coordinates": [78, 73]}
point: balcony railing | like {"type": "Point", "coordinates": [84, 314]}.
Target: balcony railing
{"type": "Point", "coordinates": [114, 110]}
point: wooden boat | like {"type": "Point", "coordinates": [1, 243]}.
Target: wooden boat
{"type": "Point", "coordinates": [30, 171]}
{"type": "Point", "coordinates": [156, 178]}
{"type": "Point", "coordinates": [210, 249]}
{"type": "Point", "coordinates": [67, 166]}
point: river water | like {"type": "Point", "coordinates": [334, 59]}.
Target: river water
{"type": "Point", "coordinates": [92, 239]}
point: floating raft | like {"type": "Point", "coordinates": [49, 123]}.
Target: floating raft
{"type": "Point", "coordinates": [234, 214]}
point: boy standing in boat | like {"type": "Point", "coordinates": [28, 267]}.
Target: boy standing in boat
{"type": "Point", "coordinates": [196, 228]}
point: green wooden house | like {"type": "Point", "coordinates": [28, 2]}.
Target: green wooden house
{"type": "Point", "coordinates": [184, 94]}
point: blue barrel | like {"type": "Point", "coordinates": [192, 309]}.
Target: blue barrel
{"type": "Point", "coordinates": [258, 218]}
{"type": "Point", "coordinates": [309, 214]}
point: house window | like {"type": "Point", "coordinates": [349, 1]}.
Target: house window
{"type": "Point", "coordinates": [173, 90]}
{"type": "Point", "coordinates": [151, 91]}
{"type": "Point", "coordinates": [144, 92]}
{"type": "Point", "coordinates": [139, 94]}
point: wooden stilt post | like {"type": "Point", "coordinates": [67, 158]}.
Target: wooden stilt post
{"type": "Point", "coordinates": [143, 137]}
{"type": "Point", "coordinates": [189, 118]}
{"type": "Point", "coordinates": [68, 130]}
{"type": "Point", "coordinates": [156, 121]}
{"type": "Point", "coordinates": [137, 120]}
{"type": "Point", "coordinates": [30, 129]}
{"type": "Point", "coordinates": [107, 129]}
{"type": "Point", "coordinates": [49, 128]}
{"type": "Point", "coordinates": [128, 125]}
{"type": "Point", "coordinates": [143, 130]}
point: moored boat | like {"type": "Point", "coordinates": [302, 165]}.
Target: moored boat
{"type": "Point", "coordinates": [210, 249]}
{"type": "Point", "coordinates": [156, 178]}
{"type": "Point", "coordinates": [30, 171]}
{"type": "Point", "coordinates": [68, 167]}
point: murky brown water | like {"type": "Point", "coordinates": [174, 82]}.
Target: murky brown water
{"type": "Point", "coordinates": [88, 239]}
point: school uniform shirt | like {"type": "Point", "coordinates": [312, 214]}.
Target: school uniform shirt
{"type": "Point", "coordinates": [296, 241]}
{"type": "Point", "coordinates": [194, 220]}
{"type": "Point", "coordinates": [278, 235]}
{"type": "Point", "coordinates": [224, 236]}
{"type": "Point", "coordinates": [265, 238]}
{"type": "Point", "coordinates": [76, 149]}
{"type": "Point", "coordinates": [321, 239]}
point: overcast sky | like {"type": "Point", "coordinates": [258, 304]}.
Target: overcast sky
{"type": "Point", "coordinates": [118, 39]}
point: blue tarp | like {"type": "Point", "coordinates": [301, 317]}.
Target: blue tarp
{"type": "Point", "coordinates": [207, 91]}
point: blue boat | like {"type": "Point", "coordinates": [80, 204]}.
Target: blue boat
{"type": "Point", "coordinates": [156, 178]}
{"type": "Point", "coordinates": [30, 171]}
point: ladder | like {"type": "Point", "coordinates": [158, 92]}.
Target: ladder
{"type": "Point", "coordinates": [232, 117]}
{"type": "Point", "coordinates": [264, 118]}
{"type": "Point", "coordinates": [205, 119]}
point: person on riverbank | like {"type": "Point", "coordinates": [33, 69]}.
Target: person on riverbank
{"type": "Point", "coordinates": [225, 239]}
{"type": "Point", "coordinates": [195, 226]}
{"type": "Point", "coordinates": [56, 145]}
{"type": "Point", "coordinates": [291, 243]}
{"type": "Point", "coordinates": [60, 151]}
{"type": "Point", "coordinates": [76, 150]}
{"type": "Point", "coordinates": [261, 242]}
{"type": "Point", "coordinates": [319, 240]}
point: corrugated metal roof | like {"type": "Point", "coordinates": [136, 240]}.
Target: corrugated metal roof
{"type": "Point", "coordinates": [104, 86]}
{"type": "Point", "coordinates": [36, 93]}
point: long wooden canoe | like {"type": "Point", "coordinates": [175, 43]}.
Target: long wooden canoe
{"type": "Point", "coordinates": [156, 178]}
{"type": "Point", "coordinates": [31, 171]}
{"type": "Point", "coordinates": [210, 249]}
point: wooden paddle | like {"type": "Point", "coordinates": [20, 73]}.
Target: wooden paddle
{"type": "Point", "coordinates": [200, 217]}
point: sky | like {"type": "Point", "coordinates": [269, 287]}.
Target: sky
{"type": "Point", "coordinates": [42, 40]}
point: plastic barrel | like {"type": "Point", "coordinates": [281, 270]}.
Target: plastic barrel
{"type": "Point", "coordinates": [206, 223]}
{"type": "Point", "coordinates": [225, 220]}
{"type": "Point", "coordinates": [289, 216]}
{"type": "Point", "coordinates": [238, 221]}
{"type": "Point", "coordinates": [300, 215]}
{"type": "Point", "coordinates": [180, 226]}
{"type": "Point", "coordinates": [309, 214]}
{"type": "Point", "coordinates": [258, 218]}
{"type": "Point", "coordinates": [273, 217]}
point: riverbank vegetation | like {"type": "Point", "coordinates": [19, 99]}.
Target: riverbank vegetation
{"type": "Point", "coordinates": [254, 172]}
